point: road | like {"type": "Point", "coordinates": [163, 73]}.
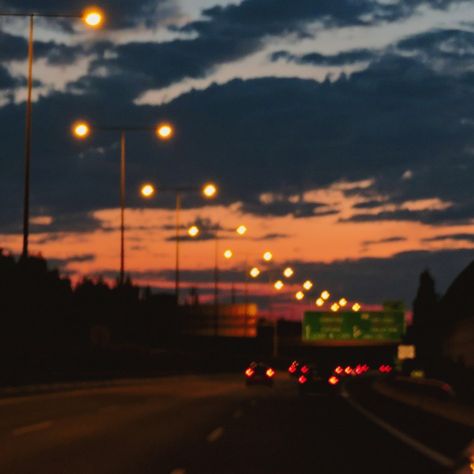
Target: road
{"type": "Point", "coordinates": [214, 424]}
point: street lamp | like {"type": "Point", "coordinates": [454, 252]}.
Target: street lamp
{"type": "Point", "coordinates": [299, 295]}
{"type": "Point", "coordinates": [319, 302]}
{"type": "Point", "coordinates": [83, 130]}
{"type": "Point", "coordinates": [92, 17]}
{"type": "Point", "coordinates": [228, 254]}
{"type": "Point", "coordinates": [193, 231]}
{"type": "Point", "coordinates": [241, 230]}
{"type": "Point", "coordinates": [325, 295]}
{"type": "Point", "coordinates": [267, 256]}
{"type": "Point", "coordinates": [334, 307]}
{"type": "Point", "coordinates": [278, 285]}
{"type": "Point", "coordinates": [288, 272]}
{"type": "Point", "coordinates": [254, 272]}
{"type": "Point", "coordinates": [209, 191]}
{"type": "Point", "coordinates": [356, 307]}
{"type": "Point", "coordinates": [342, 302]}
{"type": "Point", "coordinates": [307, 285]}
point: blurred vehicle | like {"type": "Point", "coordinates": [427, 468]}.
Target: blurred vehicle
{"type": "Point", "coordinates": [258, 373]}
{"type": "Point", "coordinates": [465, 463]}
{"type": "Point", "coordinates": [311, 381]}
{"type": "Point", "coordinates": [294, 368]}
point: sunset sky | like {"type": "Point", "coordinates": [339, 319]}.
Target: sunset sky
{"type": "Point", "coordinates": [341, 133]}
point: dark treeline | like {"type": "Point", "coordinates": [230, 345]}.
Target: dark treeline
{"type": "Point", "coordinates": [443, 330]}
{"type": "Point", "coordinates": [47, 323]}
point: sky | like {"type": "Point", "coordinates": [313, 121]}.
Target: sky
{"type": "Point", "coordinates": [340, 133]}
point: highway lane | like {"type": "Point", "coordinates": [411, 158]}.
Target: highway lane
{"type": "Point", "coordinates": [196, 424]}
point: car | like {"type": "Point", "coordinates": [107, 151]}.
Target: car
{"type": "Point", "coordinates": [310, 381]}
{"type": "Point", "coordinates": [293, 368]}
{"type": "Point", "coordinates": [258, 373]}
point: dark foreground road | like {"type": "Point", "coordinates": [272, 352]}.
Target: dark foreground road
{"type": "Point", "coordinates": [208, 425]}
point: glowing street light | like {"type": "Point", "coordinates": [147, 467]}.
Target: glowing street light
{"type": "Point", "coordinates": [307, 285]}
{"type": "Point", "coordinates": [148, 190]}
{"type": "Point", "coordinates": [164, 131]}
{"type": "Point", "coordinates": [299, 295]}
{"type": "Point", "coordinates": [193, 231]}
{"type": "Point", "coordinates": [93, 17]}
{"type": "Point", "coordinates": [267, 256]}
{"type": "Point", "coordinates": [278, 285]}
{"type": "Point", "coordinates": [81, 129]}
{"type": "Point", "coordinates": [241, 230]}
{"type": "Point", "coordinates": [342, 302]}
{"type": "Point", "coordinates": [288, 272]}
{"type": "Point", "coordinates": [228, 254]}
{"type": "Point", "coordinates": [334, 307]}
{"type": "Point", "coordinates": [254, 272]}
{"type": "Point", "coordinates": [356, 307]}
{"type": "Point", "coordinates": [319, 302]}
{"type": "Point", "coordinates": [209, 190]}
{"type": "Point", "coordinates": [325, 295]}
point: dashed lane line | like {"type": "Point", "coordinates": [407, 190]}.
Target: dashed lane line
{"type": "Point", "coordinates": [44, 425]}
{"type": "Point", "coordinates": [214, 435]}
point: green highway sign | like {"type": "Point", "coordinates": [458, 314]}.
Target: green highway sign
{"type": "Point", "coordinates": [375, 326]}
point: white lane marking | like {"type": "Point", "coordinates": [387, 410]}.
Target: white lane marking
{"type": "Point", "coordinates": [407, 439]}
{"type": "Point", "coordinates": [44, 425]}
{"type": "Point", "coordinates": [213, 436]}
{"type": "Point", "coordinates": [178, 471]}
{"type": "Point", "coordinates": [237, 414]}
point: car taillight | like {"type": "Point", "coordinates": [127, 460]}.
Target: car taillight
{"type": "Point", "coordinates": [333, 380]}
{"type": "Point", "coordinates": [302, 379]}
{"type": "Point", "coordinates": [304, 369]}
{"type": "Point", "coordinates": [292, 369]}
{"type": "Point", "coordinates": [338, 370]}
{"type": "Point", "coordinates": [270, 372]}
{"type": "Point", "coordinates": [348, 370]}
{"type": "Point", "coordinates": [385, 369]}
{"type": "Point", "coordinates": [249, 372]}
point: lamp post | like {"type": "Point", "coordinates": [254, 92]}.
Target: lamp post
{"type": "Point", "coordinates": [209, 191]}
{"type": "Point", "coordinates": [163, 131]}
{"type": "Point", "coordinates": [92, 17]}
{"type": "Point", "coordinates": [241, 230]}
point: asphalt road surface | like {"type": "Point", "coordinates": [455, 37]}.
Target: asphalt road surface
{"type": "Point", "coordinates": [214, 424]}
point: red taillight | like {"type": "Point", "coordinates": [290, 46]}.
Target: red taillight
{"type": "Point", "coordinates": [339, 370]}
{"type": "Point", "coordinates": [292, 369]}
{"type": "Point", "coordinates": [333, 380]}
{"type": "Point", "coordinates": [302, 379]}
{"type": "Point", "coordinates": [249, 372]}
{"type": "Point", "coordinates": [359, 369]}
{"type": "Point", "coordinates": [385, 369]}
{"type": "Point", "coordinates": [348, 370]}
{"type": "Point", "coordinates": [270, 372]}
{"type": "Point", "coordinates": [304, 369]}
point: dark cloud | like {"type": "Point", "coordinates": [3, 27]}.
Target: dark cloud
{"type": "Point", "coordinates": [64, 262]}
{"type": "Point", "coordinates": [122, 14]}
{"type": "Point", "coordinates": [272, 236]}
{"type": "Point", "coordinates": [283, 207]}
{"type": "Point", "coordinates": [340, 59]}
{"type": "Point", "coordinates": [369, 280]}
{"type": "Point", "coordinates": [373, 203]}
{"type": "Point", "coordinates": [447, 237]}
{"type": "Point", "coordinates": [448, 44]}
{"type": "Point", "coordinates": [396, 115]}
{"type": "Point", "coordinates": [387, 240]}
{"type": "Point", "coordinates": [7, 81]}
